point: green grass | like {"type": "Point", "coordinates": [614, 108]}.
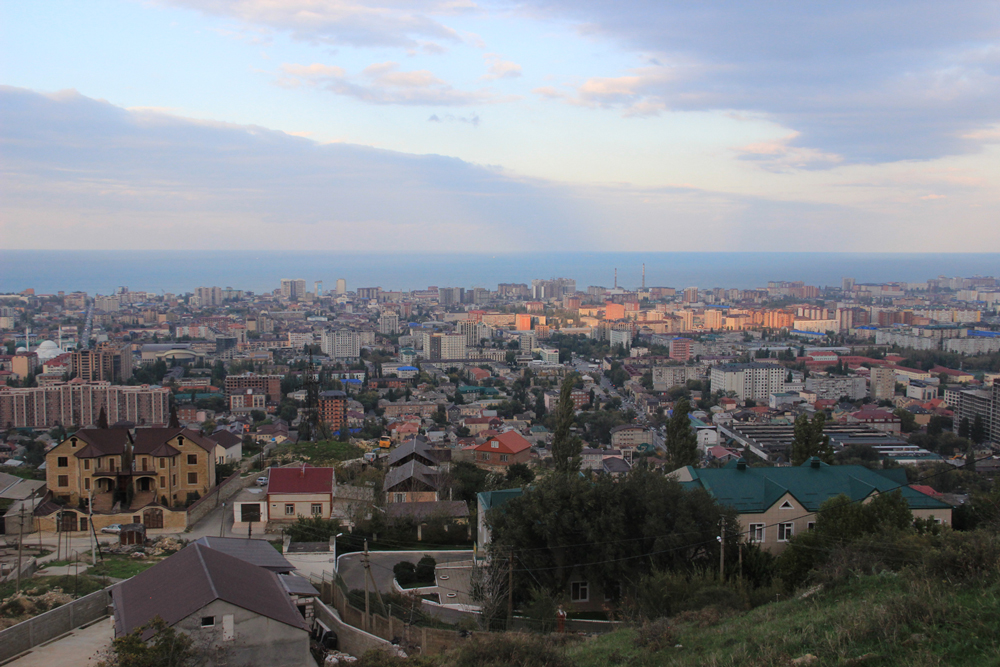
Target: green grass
{"type": "Point", "coordinates": [121, 567]}
{"type": "Point", "coordinates": [322, 452]}
{"type": "Point", "coordinates": [874, 621]}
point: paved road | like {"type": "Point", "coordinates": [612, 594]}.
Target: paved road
{"type": "Point", "coordinates": [382, 562]}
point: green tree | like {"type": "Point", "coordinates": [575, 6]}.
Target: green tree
{"type": "Point", "coordinates": [566, 447]}
{"type": "Point", "coordinates": [809, 440]}
{"type": "Point", "coordinates": [519, 475]}
{"type": "Point", "coordinates": [166, 648]}
{"type": "Point", "coordinates": [978, 431]}
{"type": "Point", "coordinates": [908, 423]}
{"type": "Point", "coordinates": [102, 419]}
{"type": "Point", "coordinates": [681, 441]}
{"type": "Point", "coordinates": [312, 529]}
{"type": "Point", "coordinates": [964, 428]}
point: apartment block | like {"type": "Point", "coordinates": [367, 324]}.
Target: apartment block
{"type": "Point", "coordinates": [80, 403]}
{"type": "Point", "coordinates": [755, 381]}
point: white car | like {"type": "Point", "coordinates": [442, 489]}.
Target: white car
{"type": "Point", "coordinates": [262, 481]}
{"type": "Point", "coordinates": [114, 529]}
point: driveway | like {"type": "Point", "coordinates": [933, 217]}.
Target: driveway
{"type": "Point", "coordinates": [79, 648]}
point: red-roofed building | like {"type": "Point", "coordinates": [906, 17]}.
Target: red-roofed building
{"type": "Point", "coordinates": [299, 491]}
{"type": "Point", "coordinates": [952, 374]}
{"type": "Point", "coordinates": [502, 450]}
{"type": "Point", "coordinates": [926, 490]}
{"type": "Point", "coordinates": [883, 420]}
{"type": "Point", "coordinates": [479, 374]}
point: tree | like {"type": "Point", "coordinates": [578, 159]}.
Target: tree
{"type": "Point", "coordinates": [978, 431]}
{"type": "Point", "coordinates": [166, 648]}
{"type": "Point", "coordinates": [174, 421]}
{"type": "Point", "coordinates": [312, 529]}
{"type": "Point", "coordinates": [566, 447]}
{"type": "Point", "coordinates": [539, 406]}
{"type": "Point", "coordinates": [519, 475]}
{"type": "Point", "coordinates": [964, 428]}
{"type": "Point", "coordinates": [809, 440]}
{"type": "Point", "coordinates": [908, 423]}
{"type": "Point", "coordinates": [102, 419]}
{"type": "Point", "coordinates": [681, 441]}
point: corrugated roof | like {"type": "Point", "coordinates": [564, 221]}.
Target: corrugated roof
{"type": "Point", "coordinates": [410, 469]}
{"type": "Point", "coordinates": [753, 490]}
{"type": "Point", "coordinates": [511, 442]}
{"type": "Point", "coordinates": [153, 441]}
{"type": "Point", "coordinates": [255, 552]}
{"type": "Point", "coordinates": [179, 586]}
{"type": "Point", "coordinates": [300, 479]}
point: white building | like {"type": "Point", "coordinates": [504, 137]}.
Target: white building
{"type": "Point", "coordinates": [756, 381]}
{"type": "Point", "coordinates": [342, 344]}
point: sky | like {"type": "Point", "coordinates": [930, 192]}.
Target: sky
{"type": "Point", "coordinates": [464, 126]}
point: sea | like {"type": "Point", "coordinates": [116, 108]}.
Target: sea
{"type": "Point", "coordinates": [180, 271]}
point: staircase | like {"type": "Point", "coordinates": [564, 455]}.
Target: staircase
{"type": "Point", "coordinates": [141, 499]}
{"type": "Point", "coordinates": [103, 502]}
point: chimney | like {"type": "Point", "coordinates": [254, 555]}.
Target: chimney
{"type": "Point", "coordinates": [814, 462]}
{"type": "Point", "coordinates": [741, 464]}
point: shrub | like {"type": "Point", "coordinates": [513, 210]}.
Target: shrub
{"type": "Point", "coordinates": [504, 650]}
{"type": "Point", "coordinates": [656, 635]}
{"type": "Point", "coordinates": [965, 557]}
{"type": "Point", "coordinates": [425, 570]}
{"type": "Point", "coordinates": [405, 572]}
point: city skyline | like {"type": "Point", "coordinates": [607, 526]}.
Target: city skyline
{"type": "Point", "coordinates": [455, 126]}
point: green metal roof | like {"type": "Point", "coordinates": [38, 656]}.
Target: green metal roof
{"type": "Point", "coordinates": [753, 490]}
{"type": "Point", "coordinates": [490, 499]}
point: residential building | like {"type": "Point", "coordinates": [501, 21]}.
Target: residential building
{"type": "Point", "coordinates": [439, 346]}
{"type": "Point", "coordinates": [235, 612]}
{"type": "Point", "coordinates": [270, 384]}
{"type": "Point", "coordinates": [333, 410]}
{"type": "Point", "coordinates": [681, 349]}
{"type": "Point", "coordinates": [411, 482]}
{"type": "Point", "coordinates": [388, 324]}
{"type": "Point", "coordinates": [881, 383]}
{"type": "Point", "coordinates": [228, 446]}
{"type": "Point", "coordinates": [984, 403]}
{"type": "Point", "coordinates": [835, 387]}
{"type": "Point", "coordinates": [666, 377]}
{"type": "Point", "coordinates": [109, 362]}
{"type": "Point", "coordinates": [754, 381]}
{"type": "Point", "coordinates": [247, 400]}
{"type": "Point", "coordinates": [503, 450]}
{"type": "Point", "coordinates": [342, 344]}
{"type": "Point", "coordinates": [299, 491]}
{"type": "Point", "coordinates": [776, 503]}
{"type": "Point", "coordinates": [293, 289]}
{"type": "Point", "coordinates": [79, 403]}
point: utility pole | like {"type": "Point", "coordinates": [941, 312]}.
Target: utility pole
{"type": "Point", "coordinates": [20, 547]}
{"type": "Point", "coordinates": [222, 523]}
{"type": "Point", "coordinates": [91, 535]}
{"type": "Point", "coordinates": [722, 551]}
{"type": "Point", "coordinates": [367, 604]}
{"type": "Point", "coordinates": [510, 591]}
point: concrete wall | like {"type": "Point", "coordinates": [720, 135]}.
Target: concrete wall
{"type": "Point", "coordinates": [224, 491]}
{"type": "Point", "coordinates": [257, 640]}
{"type": "Point", "coordinates": [352, 640]}
{"type": "Point", "coordinates": [44, 627]}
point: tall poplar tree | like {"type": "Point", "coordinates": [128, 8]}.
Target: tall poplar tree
{"type": "Point", "coordinates": [681, 441]}
{"type": "Point", "coordinates": [566, 447]}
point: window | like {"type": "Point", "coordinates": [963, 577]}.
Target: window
{"type": "Point", "coordinates": [86, 464]}
{"type": "Point", "coordinates": [63, 480]}
{"type": "Point", "coordinates": [192, 459]}
{"type": "Point", "coordinates": [163, 463]}
{"type": "Point", "coordinates": [173, 480]}
{"type": "Point", "coordinates": [613, 592]}
{"type": "Point", "coordinates": [504, 457]}
{"type": "Point", "coordinates": [785, 531]}
{"type": "Point", "coordinates": [495, 445]}
{"type": "Point", "coordinates": [208, 621]}
{"type": "Point", "coordinates": [86, 484]}
{"type": "Point", "coordinates": [399, 497]}
{"type": "Point", "coordinates": [163, 482]}
{"type": "Point", "coordinates": [316, 509]}
{"type": "Point", "coordinates": [289, 509]}
{"type": "Point", "coordinates": [757, 532]}
{"type": "Point", "coordinates": [811, 525]}
{"type": "Point", "coordinates": [786, 506]}
{"type": "Point", "coordinates": [192, 478]}
{"type": "Point", "coordinates": [63, 462]}
{"type": "Point", "coordinates": [579, 591]}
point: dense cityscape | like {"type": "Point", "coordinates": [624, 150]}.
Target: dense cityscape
{"type": "Point", "coordinates": [407, 417]}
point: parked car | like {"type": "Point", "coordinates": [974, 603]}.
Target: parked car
{"type": "Point", "coordinates": [262, 481]}
{"type": "Point", "coordinates": [114, 529]}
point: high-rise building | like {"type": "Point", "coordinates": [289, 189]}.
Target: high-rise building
{"type": "Point", "coordinates": [882, 384]}
{"type": "Point", "coordinates": [109, 362]}
{"type": "Point", "coordinates": [523, 322]}
{"type": "Point", "coordinates": [444, 346]}
{"type": "Point", "coordinates": [293, 289]}
{"type": "Point", "coordinates": [681, 349]}
{"type": "Point", "coordinates": [209, 296]}
{"type": "Point", "coordinates": [690, 295]}
{"type": "Point", "coordinates": [341, 286]}
{"type": "Point", "coordinates": [80, 404]}
{"type": "Point", "coordinates": [388, 324]}
{"type": "Point", "coordinates": [449, 296]}
{"type": "Point", "coordinates": [270, 384]}
{"type": "Point", "coordinates": [755, 381]}
{"type": "Point", "coordinates": [342, 344]}
{"type": "Point", "coordinates": [984, 403]}
{"type": "Point", "coordinates": [475, 332]}
{"type": "Point", "coordinates": [333, 409]}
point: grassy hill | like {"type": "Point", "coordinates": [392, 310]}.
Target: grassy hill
{"type": "Point", "coordinates": [874, 621]}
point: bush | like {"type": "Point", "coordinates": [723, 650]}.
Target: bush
{"type": "Point", "coordinates": [425, 570]}
{"type": "Point", "coordinates": [666, 593]}
{"type": "Point", "coordinates": [541, 610]}
{"type": "Point", "coordinates": [405, 572]}
{"type": "Point", "coordinates": [511, 648]}
{"type": "Point", "coordinates": [656, 635]}
{"type": "Point", "coordinates": [968, 557]}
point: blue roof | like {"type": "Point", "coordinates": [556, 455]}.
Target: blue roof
{"type": "Point", "coordinates": [407, 368]}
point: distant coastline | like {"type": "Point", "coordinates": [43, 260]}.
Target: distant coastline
{"type": "Point", "coordinates": [178, 271]}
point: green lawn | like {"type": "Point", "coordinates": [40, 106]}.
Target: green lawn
{"type": "Point", "coordinates": [121, 567]}
{"type": "Point", "coordinates": [322, 452]}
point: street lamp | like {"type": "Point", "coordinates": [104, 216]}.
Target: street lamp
{"type": "Point", "coordinates": [335, 551]}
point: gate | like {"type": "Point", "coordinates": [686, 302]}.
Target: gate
{"type": "Point", "coordinates": [153, 518]}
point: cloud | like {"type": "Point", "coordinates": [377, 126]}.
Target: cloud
{"type": "Point", "coordinates": [500, 68]}
{"type": "Point", "coordinates": [449, 118]}
{"type": "Point", "coordinates": [82, 173]}
{"type": "Point", "coordinates": [359, 23]}
{"type": "Point", "coordinates": [872, 82]}
{"type": "Point", "coordinates": [781, 155]}
{"type": "Point", "coordinates": [383, 83]}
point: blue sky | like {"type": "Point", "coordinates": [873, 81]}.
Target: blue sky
{"type": "Point", "coordinates": [458, 125]}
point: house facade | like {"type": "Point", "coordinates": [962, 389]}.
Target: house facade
{"type": "Point", "coordinates": [301, 491]}
{"type": "Point", "coordinates": [503, 450]}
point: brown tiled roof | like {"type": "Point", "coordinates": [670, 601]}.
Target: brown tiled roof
{"type": "Point", "coordinates": [179, 586]}
{"type": "Point", "coordinates": [226, 438]}
{"type": "Point", "coordinates": [153, 441]}
{"type": "Point", "coordinates": [101, 441]}
{"type": "Point", "coordinates": [451, 509]}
